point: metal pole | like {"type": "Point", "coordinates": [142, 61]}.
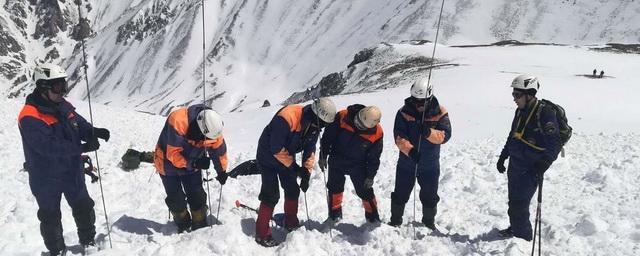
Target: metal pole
{"type": "Point", "coordinates": [427, 101]}
{"type": "Point", "coordinates": [86, 80]}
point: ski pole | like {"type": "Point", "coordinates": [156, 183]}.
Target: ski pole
{"type": "Point", "coordinates": [208, 194]}
{"type": "Point", "coordinates": [219, 202]}
{"type": "Point", "coordinates": [538, 223]}
{"type": "Point", "coordinates": [306, 206]}
{"type": "Point", "coordinates": [427, 102]}
{"type": "Point", "coordinates": [326, 190]}
{"type": "Point", "coordinates": [86, 80]}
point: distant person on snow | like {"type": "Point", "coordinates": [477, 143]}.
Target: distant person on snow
{"type": "Point", "coordinates": [189, 134]}
{"type": "Point", "coordinates": [353, 145]}
{"type": "Point", "coordinates": [533, 144]}
{"type": "Point", "coordinates": [601, 74]}
{"type": "Point", "coordinates": [594, 72]}
{"type": "Point", "coordinates": [295, 128]}
{"type": "Point", "coordinates": [52, 134]}
{"type": "Point", "coordinates": [409, 130]}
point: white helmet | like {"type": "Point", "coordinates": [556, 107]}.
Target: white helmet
{"type": "Point", "coordinates": [421, 89]}
{"type": "Point", "coordinates": [48, 71]}
{"type": "Point", "coordinates": [525, 82]}
{"type": "Point", "coordinates": [324, 109]}
{"type": "Point", "coordinates": [368, 118]}
{"type": "Point", "coordinates": [210, 123]}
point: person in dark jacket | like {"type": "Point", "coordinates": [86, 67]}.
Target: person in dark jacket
{"type": "Point", "coordinates": [353, 145]}
{"type": "Point", "coordinates": [419, 141]}
{"type": "Point", "coordinates": [533, 144]}
{"type": "Point", "coordinates": [52, 134]}
{"type": "Point", "coordinates": [295, 128]}
{"type": "Point", "coordinates": [189, 134]}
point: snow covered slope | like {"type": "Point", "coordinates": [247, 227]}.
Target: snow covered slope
{"type": "Point", "coordinates": [590, 197]}
{"type": "Point", "coordinates": [146, 54]}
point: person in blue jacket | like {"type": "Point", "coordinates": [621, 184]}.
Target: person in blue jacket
{"type": "Point", "coordinates": [189, 134]}
{"type": "Point", "coordinates": [419, 142]}
{"type": "Point", "coordinates": [52, 133]}
{"type": "Point", "coordinates": [353, 145]}
{"type": "Point", "coordinates": [295, 128]}
{"type": "Point", "coordinates": [533, 144]}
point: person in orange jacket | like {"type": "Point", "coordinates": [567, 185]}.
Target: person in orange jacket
{"type": "Point", "coordinates": [295, 128]}
{"type": "Point", "coordinates": [352, 146]}
{"type": "Point", "coordinates": [52, 133]}
{"type": "Point", "coordinates": [189, 134]}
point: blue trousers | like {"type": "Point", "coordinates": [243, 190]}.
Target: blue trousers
{"type": "Point", "coordinates": [428, 177]}
{"type": "Point", "coordinates": [48, 192]}
{"type": "Point", "coordinates": [183, 189]}
{"type": "Point", "coordinates": [523, 183]}
{"type": "Point", "coordinates": [269, 191]}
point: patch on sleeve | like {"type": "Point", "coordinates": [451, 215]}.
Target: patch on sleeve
{"type": "Point", "coordinates": [550, 128]}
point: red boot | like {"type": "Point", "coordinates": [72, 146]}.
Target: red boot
{"type": "Point", "coordinates": [291, 221]}
{"type": "Point", "coordinates": [263, 231]}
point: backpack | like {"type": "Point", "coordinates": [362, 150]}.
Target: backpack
{"type": "Point", "coordinates": [563, 123]}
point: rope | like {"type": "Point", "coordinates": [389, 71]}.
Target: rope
{"type": "Point", "coordinates": [427, 101]}
{"type": "Point", "coordinates": [86, 80]}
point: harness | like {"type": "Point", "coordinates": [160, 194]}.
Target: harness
{"type": "Point", "coordinates": [519, 133]}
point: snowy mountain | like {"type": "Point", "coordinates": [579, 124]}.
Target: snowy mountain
{"type": "Point", "coordinates": [590, 204]}
{"type": "Point", "coordinates": [147, 54]}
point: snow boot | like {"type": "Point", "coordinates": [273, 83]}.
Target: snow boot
{"type": "Point", "coordinates": [397, 210]}
{"type": "Point", "coordinates": [199, 218]}
{"type": "Point", "coordinates": [428, 217]}
{"type": "Point", "coordinates": [89, 248]}
{"type": "Point", "coordinates": [267, 242]}
{"type": "Point", "coordinates": [505, 233]}
{"type": "Point", "coordinates": [85, 218]}
{"type": "Point", "coordinates": [291, 221]}
{"type": "Point", "coordinates": [182, 220]}
{"type": "Point", "coordinates": [371, 210]}
{"type": "Point", "coordinates": [62, 252]}
{"type": "Point", "coordinates": [334, 206]}
{"type": "Point", "coordinates": [263, 231]}
{"type": "Point", "coordinates": [51, 230]}
{"type": "Point", "coordinates": [335, 215]}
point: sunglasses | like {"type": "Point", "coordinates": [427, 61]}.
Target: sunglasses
{"type": "Point", "coordinates": [517, 95]}
{"type": "Point", "coordinates": [59, 87]}
{"type": "Point", "coordinates": [418, 102]}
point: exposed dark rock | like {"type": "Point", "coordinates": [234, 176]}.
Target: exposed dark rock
{"type": "Point", "coordinates": [50, 19]}
{"type": "Point", "coordinates": [8, 44]}
{"type": "Point", "coordinates": [152, 22]}
{"type": "Point", "coordinates": [505, 43]}
{"type": "Point", "coordinates": [619, 48]}
{"type": "Point", "coordinates": [361, 56]}
{"type": "Point", "coordinates": [52, 55]}
{"type": "Point", "coordinates": [266, 103]}
{"type": "Point", "coordinates": [331, 84]}
{"type": "Point", "coordinates": [82, 30]}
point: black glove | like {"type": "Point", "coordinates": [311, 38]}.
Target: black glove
{"type": "Point", "coordinates": [322, 162]}
{"type": "Point", "coordinates": [102, 133]}
{"type": "Point", "coordinates": [413, 154]}
{"type": "Point", "coordinates": [222, 177]}
{"type": "Point", "coordinates": [500, 165]}
{"type": "Point", "coordinates": [91, 145]}
{"type": "Point", "coordinates": [541, 166]}
{"type": "Point", "coordinates": [306, 176]}
{"type": "Point", "coordinates": [201, 163]}
{"type": "Point", "coordinates": [368, 183]}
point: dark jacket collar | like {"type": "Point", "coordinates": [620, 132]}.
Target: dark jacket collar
{"type": "Point", "coordinates": [48, 107]}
